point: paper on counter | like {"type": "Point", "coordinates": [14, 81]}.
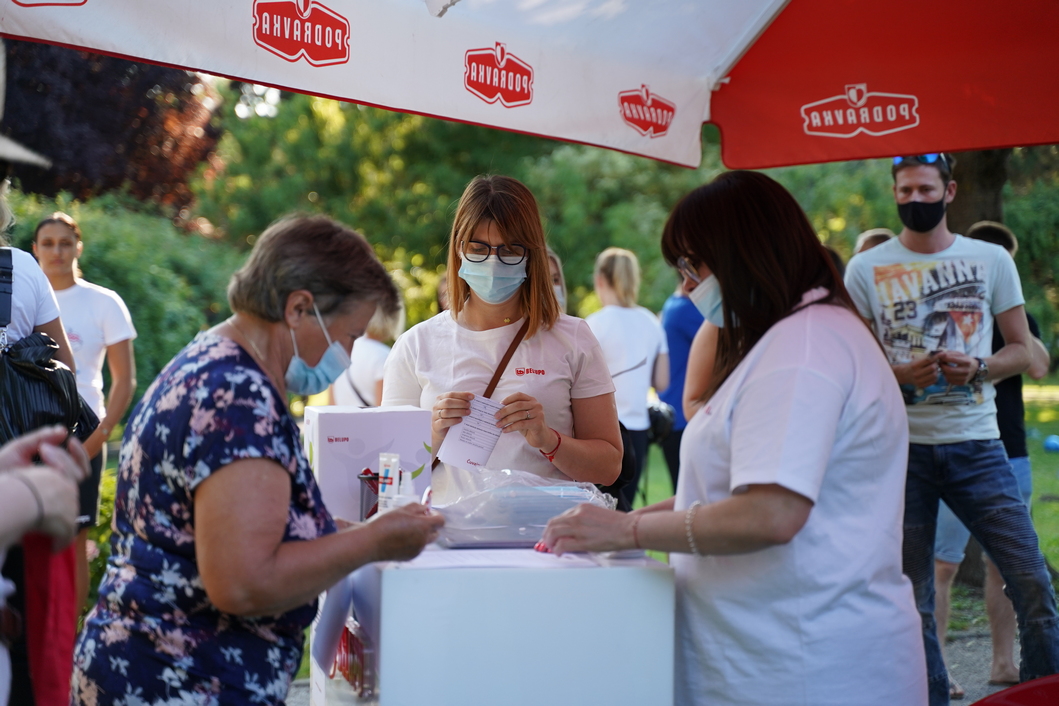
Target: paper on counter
{"type": "Point", "coordinates": [469, 444]}
{"type": "Point", "coordinates": [497, 559]}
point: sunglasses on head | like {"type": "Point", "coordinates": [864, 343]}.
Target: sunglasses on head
{"type": "Point", "coordinates": [932, 158]}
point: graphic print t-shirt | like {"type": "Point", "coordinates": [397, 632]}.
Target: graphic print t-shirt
{"type": "Point", "coordinates": [923, 303]}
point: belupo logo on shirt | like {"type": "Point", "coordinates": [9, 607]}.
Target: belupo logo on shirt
{"type": "Point", "coordinates": [857, 110]}
{"type": "Point", "coordinates": [519, 372]}
{"type": "Point", "coordinates": [293, 29]}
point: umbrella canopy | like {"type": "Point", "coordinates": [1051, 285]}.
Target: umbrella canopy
{"type": "Point", "coordinates": [786, 83]}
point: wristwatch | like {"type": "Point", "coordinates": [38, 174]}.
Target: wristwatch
{"type": "Point", "coordinates": [982, 372]}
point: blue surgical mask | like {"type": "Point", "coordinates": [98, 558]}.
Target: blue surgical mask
{"type": "Point", "coordinates": [305, 379]}
{"type": "Point", "coordinates": [560, 296]}
{"type": "Point", "coordinates": [707, 299]}
{"type": "Point", "coordinates": [493, 281]}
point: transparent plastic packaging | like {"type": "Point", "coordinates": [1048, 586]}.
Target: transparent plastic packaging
{"type": "Point", "coordinates": [510, 508]}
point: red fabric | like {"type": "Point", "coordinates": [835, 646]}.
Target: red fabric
{"type": "Point", "coordinates": [51, 618]}
{"type": "Point", "coordinates": [982, 73]}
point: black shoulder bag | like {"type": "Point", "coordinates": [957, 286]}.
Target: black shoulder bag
{"type": "Point", "coordinates": [35, 389]}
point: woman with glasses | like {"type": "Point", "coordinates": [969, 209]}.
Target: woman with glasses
{"type": "Point", "coordinates": [785, 532]}
{"type": "Point", "coordinates": [558, 415]}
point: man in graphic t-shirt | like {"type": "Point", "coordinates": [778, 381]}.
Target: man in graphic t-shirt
{"type": "Point", "coordinates": [933, 299]}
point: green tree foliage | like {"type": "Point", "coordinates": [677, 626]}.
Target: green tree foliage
{"type": "Point", "coordinates": [173, 283]}
{"type": "Point", "coordinates": [394, 177]}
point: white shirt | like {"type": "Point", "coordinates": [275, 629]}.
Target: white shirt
{"type": "Point", "coordinates": [32, 301]}
{"type": "Point", "coordinates": [555, 366]}
{"type": "Point", "coordinates": [922, 303]}
{"type": "Point", "coordinates": [94, 317]}
{"type": "Point", "coordinates": [365, 371]}
{"type": "Point", "coordinates": [827, 619]}
{"type": "Point", "coordinates": [631, 339]}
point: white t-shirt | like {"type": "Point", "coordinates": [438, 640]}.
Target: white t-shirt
{"type": "Point", "coordinates": [365, 371]}
{"type": "Point", "coordinates": [555, 366]}
{"type": "Point", "coordinates": [943, 301]}
{"type": "Point", "coordinates": [631, 339]}
{"type": "Point", "coordinates": [94, 317]}
{"type": "Point", "coordinates": [32, 301]}
{"type": "Point", "coordinates": [827, 619]}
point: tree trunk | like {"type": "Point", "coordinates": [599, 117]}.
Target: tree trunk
{"type": "Point", "coordinates": [980, 177]}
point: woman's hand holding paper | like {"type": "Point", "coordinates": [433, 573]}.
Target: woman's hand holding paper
{"type": "Point", "coordinates": [401, 533]}
{"type": "Point", "coordinates": [525, 414]}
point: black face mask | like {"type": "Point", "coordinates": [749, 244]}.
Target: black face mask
{"type": "Point", "coordinates": [921, 217]}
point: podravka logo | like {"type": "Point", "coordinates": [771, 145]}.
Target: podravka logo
{"type": "Point", "coordinates": [647, 112]}
{"type": "Point", "coordinates": [497, 75]}
{"type": "Point", "coordinates": [858, 110]}
{"type": "Point", "coordinates": [48, 3]}
{"type": "Point", "coordinates": [293, 29]}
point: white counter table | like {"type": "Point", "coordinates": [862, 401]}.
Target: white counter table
{"type": "Point", "coordinates": [515, 627]}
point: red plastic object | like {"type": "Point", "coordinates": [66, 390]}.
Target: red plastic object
{"type": "Point", "coordinates": [1039, 692]}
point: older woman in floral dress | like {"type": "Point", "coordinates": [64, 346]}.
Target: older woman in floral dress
{"type": "Point", "coordinates": [221, 540]}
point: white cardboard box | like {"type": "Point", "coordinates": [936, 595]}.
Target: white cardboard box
{"type": "Point", "coordinates": [340, 442]}
{"type": "Point", "coordinates": [511, 628]}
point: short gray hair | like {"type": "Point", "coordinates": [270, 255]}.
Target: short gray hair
{"type": "Point", "coordinates": [314, 253]}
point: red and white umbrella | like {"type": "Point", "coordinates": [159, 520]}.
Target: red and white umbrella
{"type": "Point", "coordinates": [786, 82]}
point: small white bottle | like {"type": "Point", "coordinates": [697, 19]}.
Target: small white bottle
{"type": "Point", "coordinates": [389, 477]}
{"type": "Point", "coordinates": [407, 494]}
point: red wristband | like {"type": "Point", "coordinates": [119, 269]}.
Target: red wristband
{"type": "Point", "coordinates": [559, 442]}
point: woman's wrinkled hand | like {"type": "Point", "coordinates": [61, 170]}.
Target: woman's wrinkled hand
{"type": "Point", "coordinates": [525, 414]}
{"type": "Point", "coordinates": [401, 533]}
{"type": "Point", "coordinates": [588, 528]}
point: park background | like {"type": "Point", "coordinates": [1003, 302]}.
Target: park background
{"type": "Point", "coordinates": [172, 175]}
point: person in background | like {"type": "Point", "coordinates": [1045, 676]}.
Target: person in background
{"type": "Point", "coordinates": [681, 320]}
{"type": "Point", "coordinates": [33, 310]}
{"type": "Point", "coordinates": [870, 238]}
{"type": "Point", "coordinates": [634, 346]}
{"type": "Point", "coordinates": [785, 532]}
{"type": "Point", "coordinates": [558, 414]}
{"type": "Point", "coordinates": [99, 328]}
{"type": "Point", "coordinates": [221, 540]}
{"type": "Point", "coordinates": [361, 384]}
{"type": "Point", "coordinates": [555, 268]}
{"type": "Point", "coordinates": [836, 260]}
{"type": "Point", "coordinates": [952, 535]}
{"type": "Point", "coordinates": [934, 299]}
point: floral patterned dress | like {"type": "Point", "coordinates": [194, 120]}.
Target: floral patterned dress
{"type": "Point", "coordinates": [154, 637]}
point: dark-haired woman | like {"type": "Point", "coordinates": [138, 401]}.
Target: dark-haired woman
{"type": "Point", "coordinates": [785, 531]}
{"type": "Point", "coordinates": [221, 541]}
{"type": "Point", "coordinates": [558, 411]}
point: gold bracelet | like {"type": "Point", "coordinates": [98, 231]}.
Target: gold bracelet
{"type": "Point", "coordinates": [689, 517]}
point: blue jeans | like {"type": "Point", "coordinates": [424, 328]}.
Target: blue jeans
{"type": "Point", "coordinates": [952, 536]}
{"type": "Point", "coordinates": [975, 480]}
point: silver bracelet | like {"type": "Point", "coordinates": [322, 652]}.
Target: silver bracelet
{"type": "Point", "coordinates": [689, 517]}
{"type": "Point", "coordinates": [36, 496]}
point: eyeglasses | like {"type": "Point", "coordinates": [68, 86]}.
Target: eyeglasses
{"type": "Point", "coordinates": [686, 269]}
{"type": "Point", "coordinates": [932, 158]}
{"type": "Point", "coordinates": [477, 251]}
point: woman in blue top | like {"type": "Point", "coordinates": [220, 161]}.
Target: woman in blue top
{"type": "Point", "coordinates": [221, 541]}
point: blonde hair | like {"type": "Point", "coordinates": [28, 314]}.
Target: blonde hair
{"type": "Point", "coordinates": [508, 204]}
{"type": "Point", "coordinates": [620, 269]}
{"type": "Point", "coordinates": [562, 277]}
{"type": "Point", "coordinates": [386, 325]}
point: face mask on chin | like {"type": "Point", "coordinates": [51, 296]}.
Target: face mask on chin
{"type": "Point", "coordinates": [921, 217]}
{"type": "Point", "coordinates": [707, 299]}
{"type": "Point", "coordinates": [492, 280]}
{"type": "Point", "coordinates": [305, 379]}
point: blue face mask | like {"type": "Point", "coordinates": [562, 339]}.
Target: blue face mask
{"type": "Point", "coordinates": [707, 299]}
{"type": "Point", "coordinates": [493, 281]}
{"type": "Point", "coordinates": [305, 379]}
